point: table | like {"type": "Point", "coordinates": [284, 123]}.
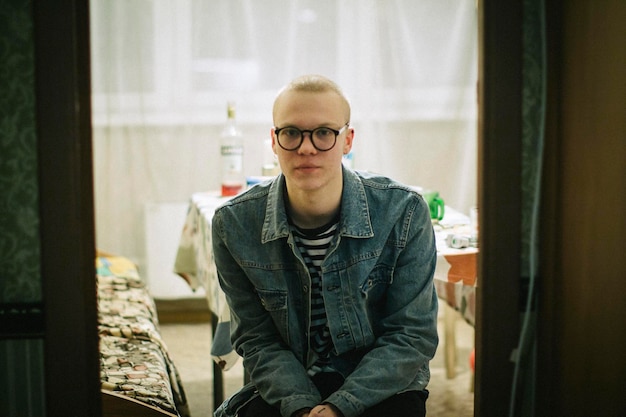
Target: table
{"type": "Point", "coordinates": [194, 262]}
{"type": "Point", "coordinates": [455, 275]}
{"type": "Point", "coordinates": [456, 278]}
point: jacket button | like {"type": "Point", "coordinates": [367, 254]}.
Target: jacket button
{"type": "Point", "coordinates": [305, 288]}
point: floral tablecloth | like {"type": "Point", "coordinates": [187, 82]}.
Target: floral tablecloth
{"type": "Point", "coordinates": [194, 262]}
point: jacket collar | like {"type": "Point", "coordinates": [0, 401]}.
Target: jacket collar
{"type": "Point", "coordinates": [355, 216]}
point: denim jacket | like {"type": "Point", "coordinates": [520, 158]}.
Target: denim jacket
{"type": "Point", "coordinates": [377, 287]}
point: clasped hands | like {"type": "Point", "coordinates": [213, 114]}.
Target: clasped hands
{"type": "Point", "coordinates": [322, 410]}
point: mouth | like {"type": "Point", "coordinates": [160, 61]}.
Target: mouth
{"type": "Point", "coordinates": [306, 167]}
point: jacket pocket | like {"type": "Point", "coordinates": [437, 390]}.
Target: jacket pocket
{"type": "Point", "coordinates": [376, 284]}
{"type": "Point", "coordinates": [273, 300]}
{"type": "Point", "coordinates": [275, 303]}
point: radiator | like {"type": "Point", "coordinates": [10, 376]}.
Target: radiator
{"type": "Point", "coordinates": [164, 224]}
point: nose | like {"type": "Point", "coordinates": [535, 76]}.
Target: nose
{"type": "Point", "coordinates": [307, 145]}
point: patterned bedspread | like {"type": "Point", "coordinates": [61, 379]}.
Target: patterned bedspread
{"type": "Point", "coordinates": [134, 360]}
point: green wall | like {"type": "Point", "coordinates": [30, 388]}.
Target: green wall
{"type": "Point", "coordinates": [21, 321]}
{"type": "Point", "coordinates": [19, 212]}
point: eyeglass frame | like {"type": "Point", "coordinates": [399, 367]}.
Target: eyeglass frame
{"type": "Point", "coordinates": [310, 132]}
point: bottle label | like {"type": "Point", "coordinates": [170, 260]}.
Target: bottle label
{"type": "Point", "coordinates": [232, 163]}
{"type": "Point", "coordinates": [232, 160]}
{"type": "Point", "coordinates": [231, 150]}
{"type": "Point", "coordinates": [232, 169]}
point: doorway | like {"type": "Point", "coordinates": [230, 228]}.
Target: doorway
{"type": "Point", "coordinates": [499, 118]}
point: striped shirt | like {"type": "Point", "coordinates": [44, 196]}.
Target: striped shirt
{"type": "Point", "coordinates": [313, 245]}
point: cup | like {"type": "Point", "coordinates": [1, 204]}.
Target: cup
{"type": "Point", "coordinates": [435, 203]}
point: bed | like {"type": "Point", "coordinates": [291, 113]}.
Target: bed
{"type": "Point", "coordinates": [138, 377]}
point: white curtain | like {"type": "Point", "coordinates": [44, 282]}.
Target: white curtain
{"type": "Point", "coordinates": [163, 71]}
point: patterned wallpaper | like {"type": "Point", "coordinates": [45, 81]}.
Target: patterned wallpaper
{"type": "Point", "coordinates": [19, 212]}
{"type": "Point", "coordinates": [21, 359]}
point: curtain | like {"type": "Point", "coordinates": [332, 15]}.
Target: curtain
{"type": "Point", "coordinates": [164, 70]}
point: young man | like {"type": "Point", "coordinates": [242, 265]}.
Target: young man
{"type": "Point", "coordinates": [328, 274]}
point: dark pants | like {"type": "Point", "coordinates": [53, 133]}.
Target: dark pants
{"type": "Point", "coordinates": [406, 404]}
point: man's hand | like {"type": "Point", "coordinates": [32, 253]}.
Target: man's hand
{"type": "Point", "coordinates": [324, 410]}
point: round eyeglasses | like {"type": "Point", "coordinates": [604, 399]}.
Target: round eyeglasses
{"type": "Point", "coordinates": [323, 138]}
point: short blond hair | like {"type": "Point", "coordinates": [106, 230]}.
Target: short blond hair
{"type": "Point", "coordinates": [313, 83]}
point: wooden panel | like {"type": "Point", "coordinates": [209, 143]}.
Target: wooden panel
{"type": "Point", "coordinates": [66, 207]}
{"type": "Point", "coordinates": [582, 340]}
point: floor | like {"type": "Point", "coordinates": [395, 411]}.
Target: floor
{"type": "Point", "coordinates": [189, 345]}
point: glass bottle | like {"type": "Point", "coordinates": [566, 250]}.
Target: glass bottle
{"type": "Point", "coordinates": [231, 152]}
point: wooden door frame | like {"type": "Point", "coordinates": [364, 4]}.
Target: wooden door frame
{"type": "Point", "coordinates": [499, 199]}
{"type": "Point", "coordinates": [63, 119]}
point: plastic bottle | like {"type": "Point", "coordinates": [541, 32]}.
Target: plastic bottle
{"type": "Point", "coordinates": [231, 151]}
{"type": "Point", "coordinates": [270, 166]}
{"type": "Point", "coordinates": [348, 160]}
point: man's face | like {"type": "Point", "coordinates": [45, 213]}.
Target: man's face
{"type": "Point", "coordinates": [308, 168]}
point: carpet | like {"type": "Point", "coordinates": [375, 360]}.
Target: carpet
{"type": "Point", "coordinates": [189, 345]}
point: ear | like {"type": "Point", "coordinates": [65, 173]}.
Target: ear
{"type": "Point", "coordinates": [347, 143]}
{"type": "Point", "coordinates": [273, 136]}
